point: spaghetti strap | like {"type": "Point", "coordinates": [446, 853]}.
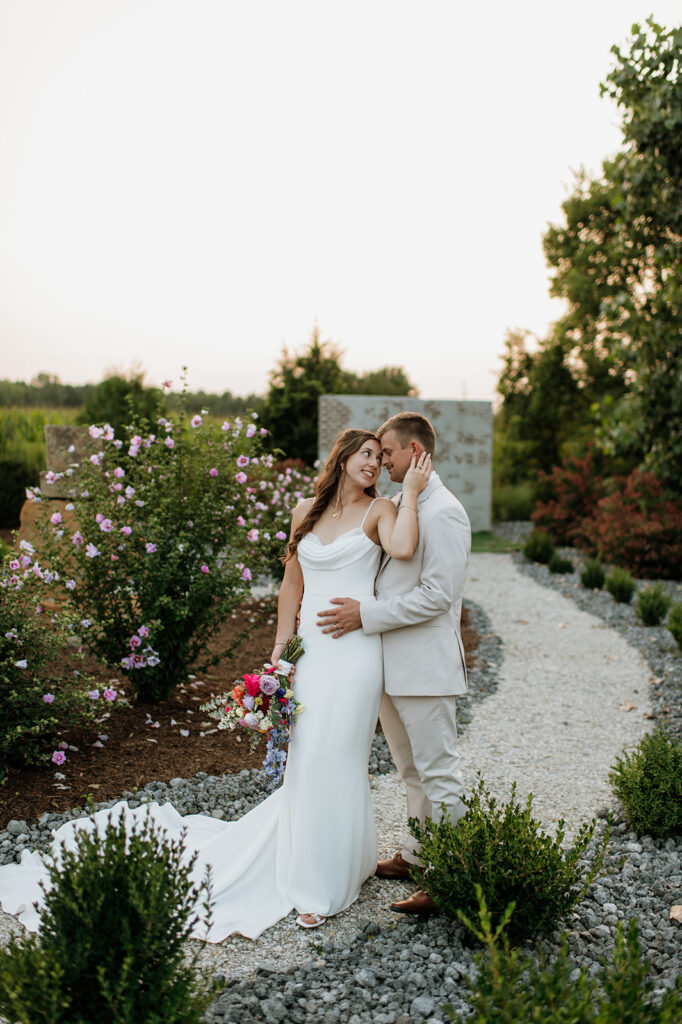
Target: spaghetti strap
{"type": "Point", "coordinates": [367, 513]}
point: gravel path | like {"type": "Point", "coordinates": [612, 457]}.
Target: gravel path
{"type": "Point", "coordinates": [571, 695]}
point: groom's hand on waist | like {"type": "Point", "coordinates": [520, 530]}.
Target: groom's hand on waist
{"type": "Point", "coordinates": [343, 618]}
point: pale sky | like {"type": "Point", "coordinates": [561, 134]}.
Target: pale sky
{"type": "Point", "coordinates": [202, 181]}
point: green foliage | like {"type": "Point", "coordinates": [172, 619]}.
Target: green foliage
{"type": "Point", "coordinates": [558, 564]}
{"type": "Point", "coordinates": [539, 547]}
{"type": "Point", "coordinates": [167, 545]}
{"type": "Point", "coordinates": [485, 542]}
{"type": "Point", "coordinates": [513, 502]}
{"type": "Point", "coordinates": [592, 575]}
{"type": "Point", "coordinates": [648, 783]}
{"type": "Point", "coordinates": [112, 939]}
{"type": "Point", "coordinates": [510, 988]}
{"type": "Point", "coordinates": [675, 622]}
{"type": "Point", "coordinates": [543, 410]}
{"type": "Point", "coordinates": [652, 604]}
{"type": "Point", "coordinates": [501, 848]}
{"type": "Point", "coordinates": [621, 586]}
{"type": "Point", "coordinates": [32, 646]}
{"type": "Point", "coordinates": [119, 401]}
{"type": "Point", "coordinates": [291, 405]}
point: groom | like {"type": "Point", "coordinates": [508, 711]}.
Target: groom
{"type": "Point", "coordinates": [417, 608]}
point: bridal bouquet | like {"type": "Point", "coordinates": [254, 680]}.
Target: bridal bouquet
{"type": "Point", "coordinates": [263, 703]}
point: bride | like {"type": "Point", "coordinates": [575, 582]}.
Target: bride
{"type": "Point", "coordinates": [312, 843]}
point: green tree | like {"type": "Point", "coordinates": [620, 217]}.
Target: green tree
{"type": "Point", "coordinates": [290, 408]}
{"type": "Point", "coordinates": [617, 260]}
{"type": "Point", "coordinates": [119, 400]}
{"type": "Point", "coordinates": [542, 409]}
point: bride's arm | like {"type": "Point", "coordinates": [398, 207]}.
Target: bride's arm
{"type": "Point", "coordinates": [397, 528]}
{"type": "Point", "coordinates": [290, 591]}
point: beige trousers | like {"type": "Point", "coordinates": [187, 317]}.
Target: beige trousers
{"type": "Point", "coordinates": [421, 733]}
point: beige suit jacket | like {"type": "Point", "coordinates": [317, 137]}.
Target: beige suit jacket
{"type": "Point", "coordinates": [418, 603]}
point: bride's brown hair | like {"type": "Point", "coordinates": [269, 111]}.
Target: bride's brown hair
{"type": "Point", "coordinates": [347, 443]}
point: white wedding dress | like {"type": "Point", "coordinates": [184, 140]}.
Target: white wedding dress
{"type": "Point", "coordinates": [312, 843]}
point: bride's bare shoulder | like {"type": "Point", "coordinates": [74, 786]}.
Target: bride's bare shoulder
{"type": "Point", "coordinates": [384, 505]}
{"type": "Point", "coordinates": [302, 509]}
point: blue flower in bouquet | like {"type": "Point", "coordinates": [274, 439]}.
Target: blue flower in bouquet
{"type": "Point", "coordinates": [280, 692]}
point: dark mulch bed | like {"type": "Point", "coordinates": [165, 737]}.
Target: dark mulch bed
{"type": "Point", "coordinates": [145, 743]}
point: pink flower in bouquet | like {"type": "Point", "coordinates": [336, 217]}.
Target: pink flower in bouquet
{"type": "Point", "coordinates": [268, 685]}
{"type": "Point", "coordinates": [250, 720]}
{"type": "Point", "coordinates": [252, 683]}
{"type": "Point", "coordinates": [249, 702]}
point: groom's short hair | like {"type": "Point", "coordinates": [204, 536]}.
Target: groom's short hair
{"type": "Point", "coordinates": [410, 426]}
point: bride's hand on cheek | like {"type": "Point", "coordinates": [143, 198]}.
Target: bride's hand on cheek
{"type": "Point", "coordinates": [417, 476]}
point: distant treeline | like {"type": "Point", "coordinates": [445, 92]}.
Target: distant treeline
{"type": "Point", "coordinates": [47, 391]}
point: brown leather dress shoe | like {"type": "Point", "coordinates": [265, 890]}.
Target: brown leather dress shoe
{"type": "Point", "coordinates": [396, 867]}
{"type": "Point", "coordinates": [418, 903]}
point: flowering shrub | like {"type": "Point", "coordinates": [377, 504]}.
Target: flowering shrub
{"type": "Point", "coordinates": [279, 487]}
{"type": "Point", "coordinates": [638, 528]}
{"type": "Point", "coordinates": [166, 544]}
{"type": "Point", "coordinates": [575, 490]}
{"type": "Point", "coordinates": [38, 703]}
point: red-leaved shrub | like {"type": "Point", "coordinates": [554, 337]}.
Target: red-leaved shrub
{"type": "Point", "coordinates": [637, 528]}
{"type": "Point", "coordinates": [575, 490]}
